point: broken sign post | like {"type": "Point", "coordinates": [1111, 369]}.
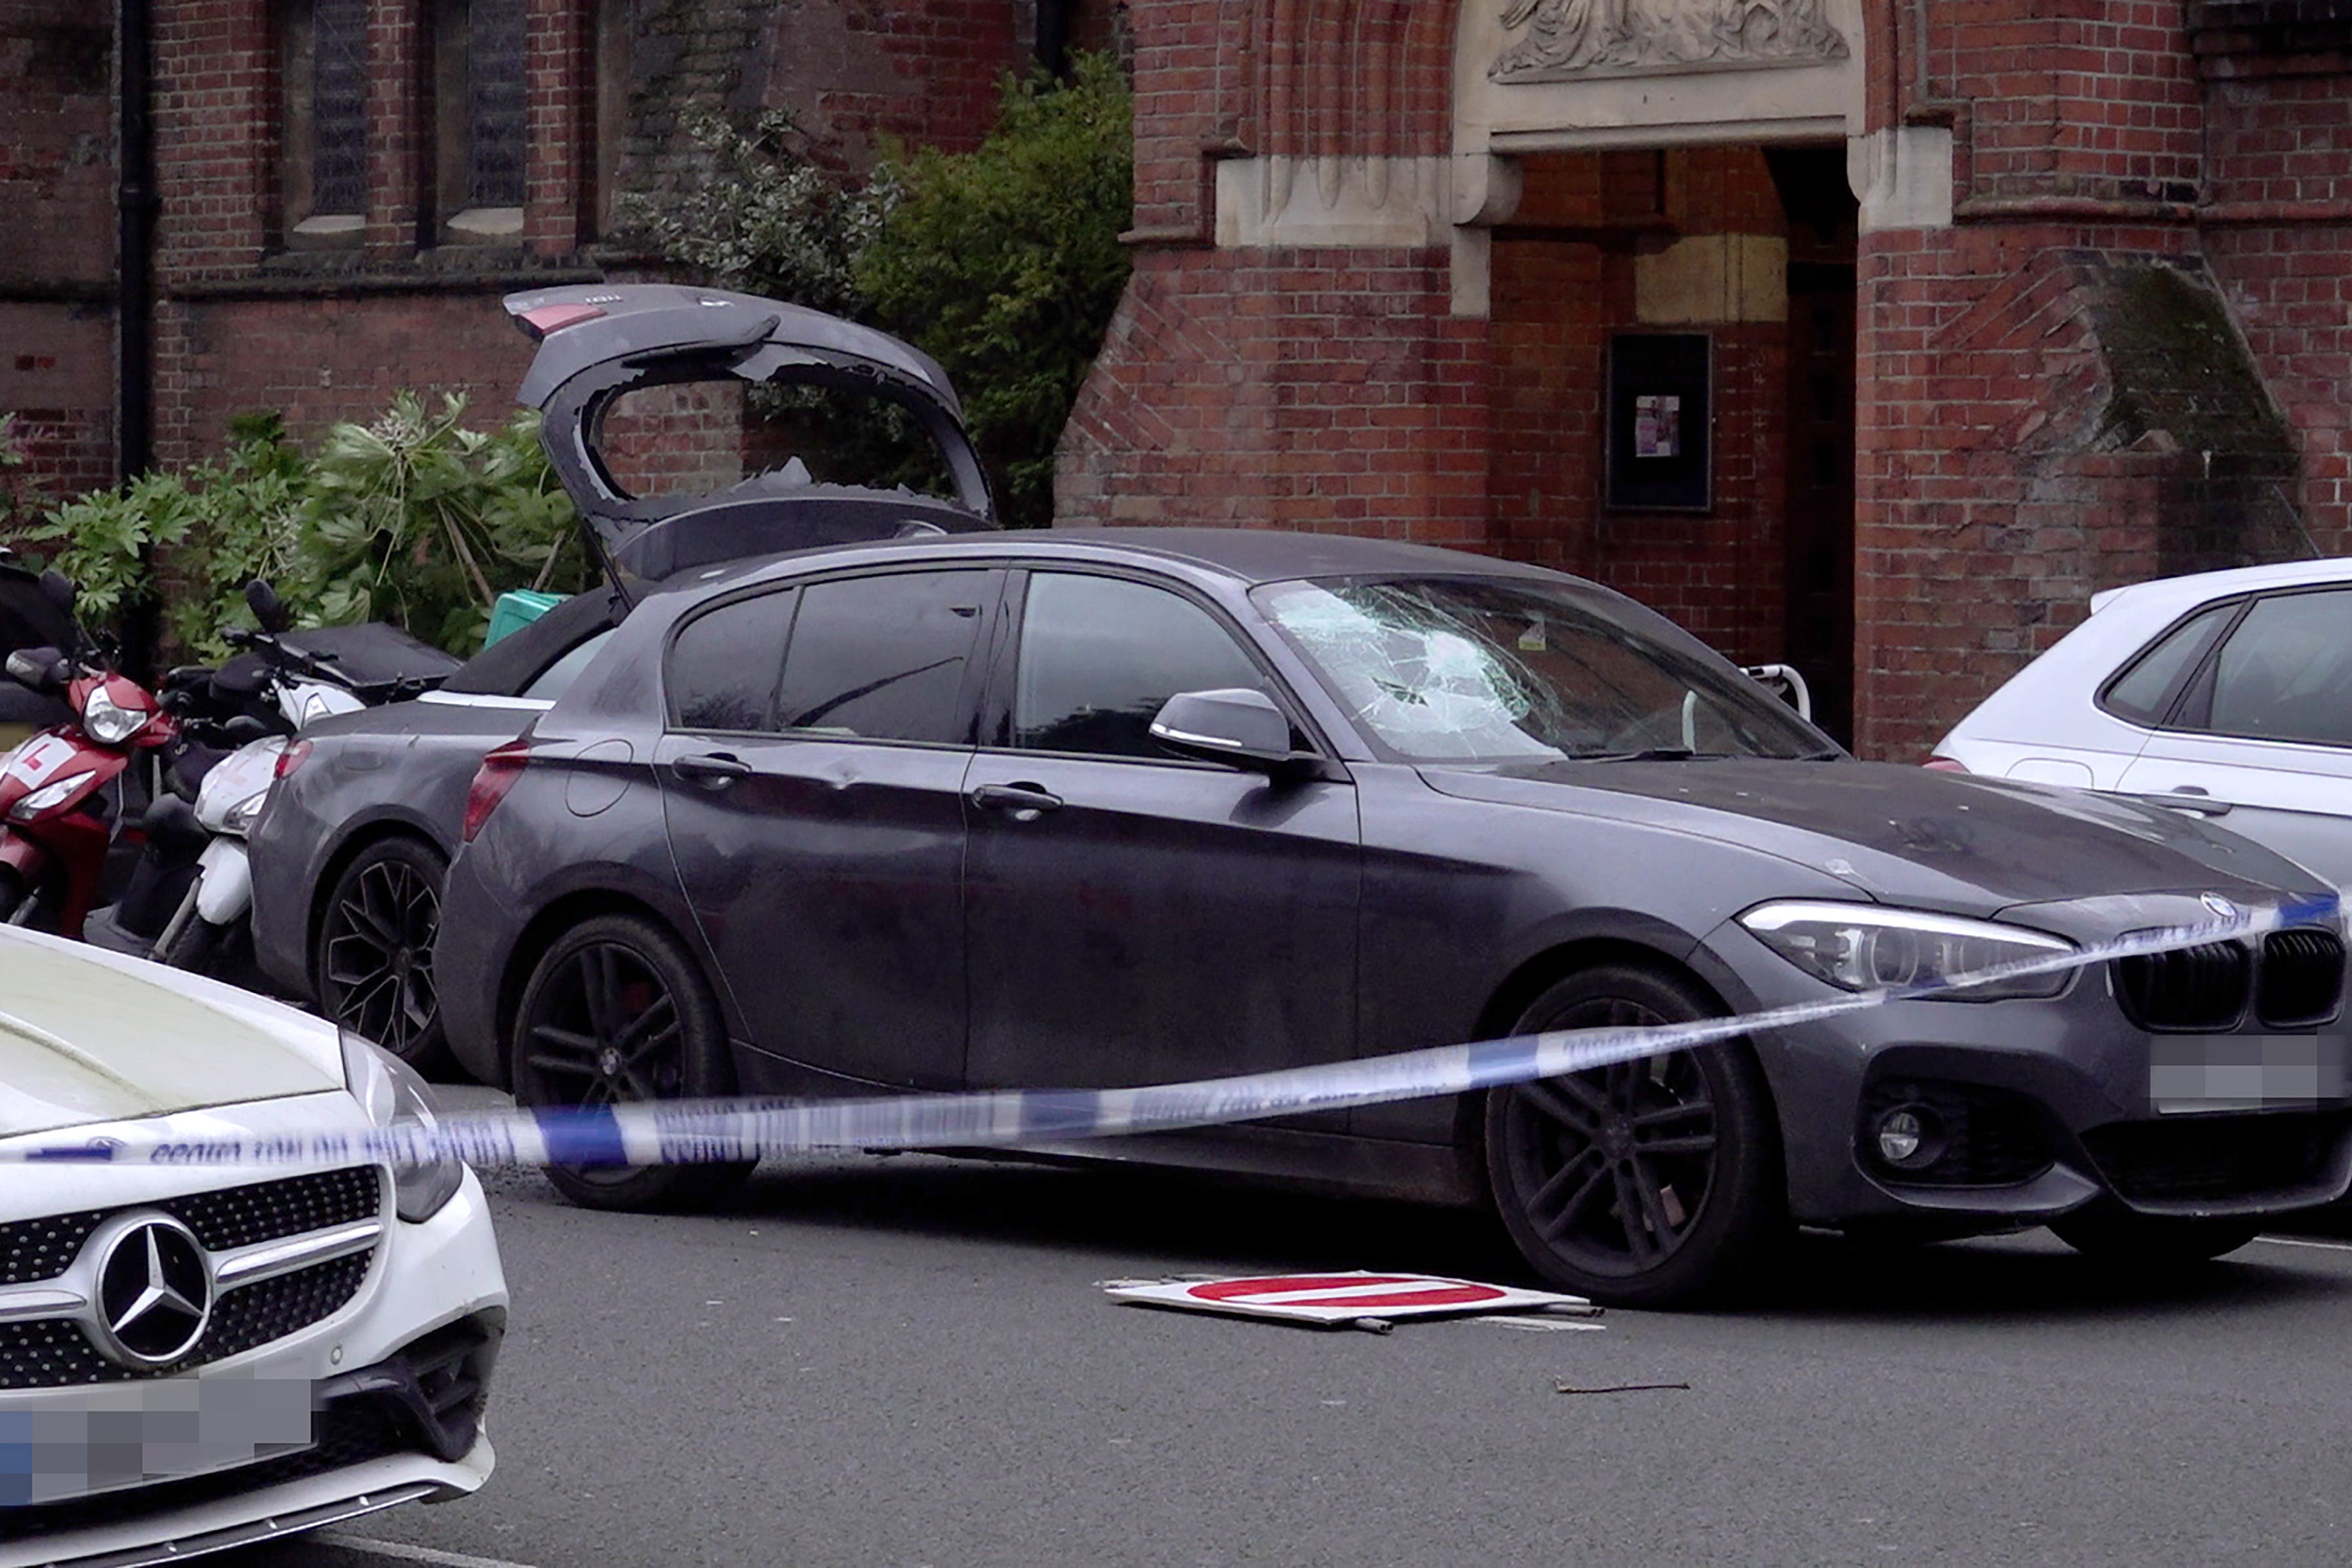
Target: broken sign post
{"type": "Point", "coordinates": [1355, 1299]}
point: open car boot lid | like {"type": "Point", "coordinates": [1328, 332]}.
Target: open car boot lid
{"type": "Point", "coordinates": [597, 343]}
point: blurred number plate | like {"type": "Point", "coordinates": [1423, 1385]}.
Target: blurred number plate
{"type": "Point", "coordinates": [2237, 1072]}
{"type": "Point", "coordinates": [98, 1439]}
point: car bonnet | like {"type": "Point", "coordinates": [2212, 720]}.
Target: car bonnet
{"type": "Point", "coordinates": [1906, 835]}
{"type": "Point", "coordinates": [88, 1038]}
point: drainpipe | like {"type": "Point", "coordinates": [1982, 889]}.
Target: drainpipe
{"type": "Point", "coordinates": [134, 312]}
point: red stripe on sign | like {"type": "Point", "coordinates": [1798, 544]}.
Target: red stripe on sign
{"type": "Point", "coordinates": [1285, 1284]}
{"type": "Point", "coordinates": [1428, 1296]}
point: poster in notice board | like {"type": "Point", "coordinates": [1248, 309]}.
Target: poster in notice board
{"type": "Point", "coordinates": [1659, 413]}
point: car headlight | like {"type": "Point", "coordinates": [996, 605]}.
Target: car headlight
{"type": "Point", "coordinates": [391, 1093]}
{"type": "Point", "coordinates": [1860, 947]}
{"type": "Point", "coordinates": [108, 721]}
{"type": "Point", "coordinates": [49, 797]}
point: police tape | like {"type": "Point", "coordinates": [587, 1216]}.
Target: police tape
{"type": "Point", "coordinates": [688, 1132]}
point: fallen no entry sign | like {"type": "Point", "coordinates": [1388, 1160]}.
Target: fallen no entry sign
{"type": "Point", "coordinates": [1335, 1299]}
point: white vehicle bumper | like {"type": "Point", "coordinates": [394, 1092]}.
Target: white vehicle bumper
{"type": "Point", "coordinates": [438, 1282]}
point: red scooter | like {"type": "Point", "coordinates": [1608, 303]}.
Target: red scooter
{"type": "Point", "coordinates": [62, 792]}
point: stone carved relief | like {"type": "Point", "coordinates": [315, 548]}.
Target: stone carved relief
{"type": "Point", "coordinates": [1569, 40]}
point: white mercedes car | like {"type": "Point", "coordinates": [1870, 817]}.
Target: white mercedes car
{"type": "Point", "coordinates": [198, 1357]}
{"type": "Point", "coordinates": [2228, 694]}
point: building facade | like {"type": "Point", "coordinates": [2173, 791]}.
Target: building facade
{"type": "Point", "coordinates": [1872, 335]}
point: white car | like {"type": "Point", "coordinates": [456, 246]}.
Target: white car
{"type": "Point", "coordinates": [192, 1359]}
{"type": "Point", "coordinates": [2227, 693]}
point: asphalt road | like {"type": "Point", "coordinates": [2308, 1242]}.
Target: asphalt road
{"type": "Point", "coordinates": [908, 1362]}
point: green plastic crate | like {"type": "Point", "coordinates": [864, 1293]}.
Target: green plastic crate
{"type": "Point", "coordinates": [517, 609]}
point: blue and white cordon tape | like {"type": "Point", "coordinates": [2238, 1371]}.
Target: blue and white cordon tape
{"type": "Point", "coordinates": [688, 1131]}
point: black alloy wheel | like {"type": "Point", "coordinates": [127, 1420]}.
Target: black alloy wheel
{"type": "Point", "coordinates": [2105, 1229]}
{"type": "Point", "coordinates": [374, 965]}
{"type": "Point", "coordinates": [1650, 1184]}
{"type": "Point", "coordinates": [617, 1011]}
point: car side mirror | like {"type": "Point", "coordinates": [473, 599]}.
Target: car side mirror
{"type": "Point", "coordinates": [1238, 727]}
{"type": "Point", "coordinates": [269, 612]}
{"type": "Point", "coordinates": [58, 590]}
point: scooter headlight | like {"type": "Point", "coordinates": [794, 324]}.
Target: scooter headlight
{"type": "Point", "coordinates": [108, 722]}
{"type": "Point", "coordinates": [1864, 947]}
{"type": "Point", "coordinates": [391, 1093]}
{"type": "Point", "coordinates": [239, 818]}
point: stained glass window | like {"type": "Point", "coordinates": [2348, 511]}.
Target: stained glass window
{"type": "Point", "coordinates": [338, 85]}
{"type": "Point", "coordinates": [493, 94]}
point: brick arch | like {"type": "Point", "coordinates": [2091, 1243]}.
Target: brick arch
{"type": "Point", "coordinates": [1336, 77]}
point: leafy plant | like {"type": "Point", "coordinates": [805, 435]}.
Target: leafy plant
{"type": "Point", "coordinates": [15, 494]}
{"type": "Point", "coordinates": [219, 523]}
{"type": "Point", "coordinates": [770, 218]}
{"type": "Point", "coordinates": [418, 520]}
{"type": "Point", "coordinates": [413, 518]}
{"type": "Point", "coordinates": [1004, 264]}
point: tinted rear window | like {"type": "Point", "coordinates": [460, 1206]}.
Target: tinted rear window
{"type": "Point", "coordinates": [2146, 690]}
{"type": "Point", "coordinates": [723, 664]}
{"type": "Point", "coordinates": [884, 658]}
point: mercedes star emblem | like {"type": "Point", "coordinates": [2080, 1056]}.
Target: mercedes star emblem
{"type": "Point", "coordinates": [155, 1290]}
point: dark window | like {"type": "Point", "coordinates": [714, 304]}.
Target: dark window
{"type": "Point", "coordinates": [494, 72]}
{"type": "Point", "coordinates": [883, 658]}
{"type": "Point", "coordinates": [1099, 656]}
{"type": "Point", "coordinates": [339, 108]}
{"type": "Point", "coordinates": [2285, 674]}
{"type": "Point", "coordinates": [324, 59]}
{"type": "Point", "coordinates": [723, 664]}
{"type": "Point", "coordinates": [2145, 692]}
{"type": "Point", "coordinates": [480, 137]}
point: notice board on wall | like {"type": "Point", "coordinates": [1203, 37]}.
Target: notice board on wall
{"type": "Point", "coordinates": [1660, 413]}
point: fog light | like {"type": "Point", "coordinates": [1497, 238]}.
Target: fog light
{"type": "Point", "coordinates": [1907, 1138]}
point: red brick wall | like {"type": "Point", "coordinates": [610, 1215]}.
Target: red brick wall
{"type": "Point", "coordinates": [1322, 390]}
{"type": "Point", "coordinates": [320, 360]}
{"type": "Point", "coordinates": [1992, 502]}
{"type": "Point", "coordinates": [2280, 176]}
{"type": "Point", "coordinates": [326, 336]}
{"type": "Point", "coordinates": [925, 71]}
{"type": "Point", "coordinates": [2089, 98]}
{"type": "Point", "coordinates": [57, 244]}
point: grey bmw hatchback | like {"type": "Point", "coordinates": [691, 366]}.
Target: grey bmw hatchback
{"type": "Point", "coordinates": [1100, 809]}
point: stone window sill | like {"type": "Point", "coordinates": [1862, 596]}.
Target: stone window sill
{"type": "Point", "coordinates": [326, 231]}
{"type": "Point", "coordinates": [484, 225]}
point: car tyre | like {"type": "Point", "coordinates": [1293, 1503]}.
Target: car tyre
{"type": "Point", "coordinates": [617, 1010]}
{"type": "Point", "coordinates": [2114, 1234]}
{"type": "Point", "coordinates": [371, 970]}
{"type": "Point", "coordinates": [1655, 1182]}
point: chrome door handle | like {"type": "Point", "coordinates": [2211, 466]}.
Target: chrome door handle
{"type": "Point", "coordinates": [1023, 802]}
{"type": "Point", "coordinates": [2188, 798]}
{"type": "Point", "coordinates": [712, 771]}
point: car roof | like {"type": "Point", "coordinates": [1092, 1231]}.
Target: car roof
{"type": "Point", "coordinates": [2201, 586]}
{"type": "Point", "coordinates": [1246, 556]}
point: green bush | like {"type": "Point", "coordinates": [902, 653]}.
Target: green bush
{"type": "Point", "coordinates": [412, 518]}
{"type": "Point", "coordinates": [1004, 265]}
{"type": "Point", "coordinates": [769, 219]}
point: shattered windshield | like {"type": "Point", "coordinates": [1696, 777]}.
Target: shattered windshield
{"type": "Point", "coordinates": [1500, 669]}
